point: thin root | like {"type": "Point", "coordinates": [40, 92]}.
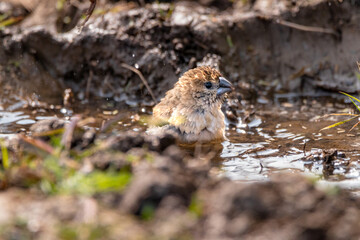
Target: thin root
{"type": "Point", "coordinates": [124, 65]}
{"type": "Point", "coordinates": [306, 28]}
{"type": "Point", "coordinates": [88, 14]}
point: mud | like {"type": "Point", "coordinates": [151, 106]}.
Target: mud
{"type": "Point", "coordinates": [102, 177]}
{"type": "Point", "coordinates": [248, 43]}
{"type": "Point", "coordinates": [172, 195]}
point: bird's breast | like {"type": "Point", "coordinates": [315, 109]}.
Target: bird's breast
{"type": "Point", "coordinates": [209, 122]}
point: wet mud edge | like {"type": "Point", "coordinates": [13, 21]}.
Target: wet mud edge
{"type": "Point", "coordinates": [247, 46]}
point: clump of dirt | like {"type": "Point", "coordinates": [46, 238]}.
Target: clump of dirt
{"type": "Point", "coordinates": [135, 186]}
{"type": "Point", "coordinates": [47, 125]}
{"type": "Point", "coordinates": [330, 160]}
{"type": "Point", "coordinates": [288, 207]}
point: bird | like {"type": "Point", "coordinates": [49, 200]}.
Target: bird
{"type": "Point", "coordinates": [191, 110]}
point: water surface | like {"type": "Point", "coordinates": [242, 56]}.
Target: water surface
{"type": "Point", "coordinates": [270, 136]}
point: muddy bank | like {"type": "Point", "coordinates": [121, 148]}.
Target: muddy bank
{"type": "Point", "coordinates": [136, 186]}
{"type": "Point", "coordinates": [232, 211]}
{"type": "Point", "coordinates": [248, 43]}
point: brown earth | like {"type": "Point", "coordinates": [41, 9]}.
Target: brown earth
{"type": "Point", "coordinates": [171, 196]}
{"type": "Point", "coordinates": [301, 45]}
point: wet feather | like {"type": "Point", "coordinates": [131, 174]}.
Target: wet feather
{"type": "Point", "coordinates": [192, 108]}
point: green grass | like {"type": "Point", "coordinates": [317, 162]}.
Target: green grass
{"type": "Point", "coordinates": [82, 231]}
{"type": "Point", "coordinates": [229, 41]}
{"type": "Point", "coordinates": [5, 155]}
{"type": "Point", "coordinates": [354, 100]}
{"type": "Point", "coordinates": [94, 182]}
{"type": "Point", "coordinates": [50, 167]}
{"type": "Point", "coordinates": [9, 21]}
{"type": "Point", "coordinates": [196, 206]}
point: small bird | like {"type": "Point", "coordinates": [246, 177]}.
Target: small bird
{"type": "Point", "coordinates": [192, 109]}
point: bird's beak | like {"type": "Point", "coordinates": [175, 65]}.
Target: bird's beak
{"type": "Point", "coordinates": [224, 87]}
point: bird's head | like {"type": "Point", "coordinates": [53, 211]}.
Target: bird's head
{"type": "Point", "coordinates": [204, 85]}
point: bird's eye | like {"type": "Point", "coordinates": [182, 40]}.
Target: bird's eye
{"type": "Point", "coordinates": [208, 85]}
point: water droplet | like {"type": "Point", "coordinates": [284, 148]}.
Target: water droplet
{"type": "Point", "coordinates": [136, 66]}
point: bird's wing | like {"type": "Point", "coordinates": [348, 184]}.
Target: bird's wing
{"type": "Point", "coordinates": [165, 108]}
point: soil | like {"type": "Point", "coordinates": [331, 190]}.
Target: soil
{"type": "Point", "coordinates": [173, 195]}
{"type": "Point", "coordinates": [65, 179]}
{"type": "Point", "coordinates": [248, 43]}
{"type": "Point", "coordinates": [181, 195]}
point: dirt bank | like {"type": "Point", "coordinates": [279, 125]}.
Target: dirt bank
{"type": "Point", "coordinates": [248, 43]}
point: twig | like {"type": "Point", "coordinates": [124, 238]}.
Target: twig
{"type": "Point", "coordinates": [201, 44]}
{"type": "Point", "coordinates": [106, 83]}
{"type": "Point", "coordinates": [124, 65]}
{"type": "Point", "coordinates": [88, 14]}
{"type": "Point", "coordinates": [261, 168]}
{"type": "Point", "coordinates": [88, 84]}
{"type": "Point", "coordinates": [354, 126]}
{"type": "Point", "coordinates": [142, 3]}
{"type": "Point", "coordinates": [107, 124]}
{"type": "Point", "coordinates": [306, 28]}
{"type": "Point", "coordinates": [69, 131]}
{"type": "Point", "coordinates": [38, 143]}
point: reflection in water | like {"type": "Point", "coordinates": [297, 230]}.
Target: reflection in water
{"type": "Point", "coordinates": [291, 144]}
{"type": "Point", "coordinates": [11, 117]}
{"type": "Point", "coordinates": [13, 120]}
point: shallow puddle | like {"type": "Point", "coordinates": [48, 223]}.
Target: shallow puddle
{"type": "Point", "coordinates": [282, 135]}
{"type": "Point", "coordinates": [286, 137]}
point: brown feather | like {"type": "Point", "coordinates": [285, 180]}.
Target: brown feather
{"type": "Point", "coordinates": [193, 109]}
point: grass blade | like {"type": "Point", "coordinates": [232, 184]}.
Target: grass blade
{"type": "Point", "coordinates": [10, 21]}
{"type": "Point", "coordinates": [38, 144]}
{"type": "Point", "coordinates": [49, 133]}
{"type": "Point", "coordinates": [5, 155]}
{"type": "Point", "coordinates": [343, 114]}
{"type": "Point", "coordinates": [338, 123]}
{"type": "Point", "coordinates": [355, 105]}
{"type": "Point", "coordinates": [354, 126]}
{"type": "Point", "coordinates": [351, 98]}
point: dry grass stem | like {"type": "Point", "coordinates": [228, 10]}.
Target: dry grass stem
{"type": "Point", "coordinates": [127, 66]}
{"type": "Point", "coordinates": [306, 28]}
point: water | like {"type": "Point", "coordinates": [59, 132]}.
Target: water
{"type": "Point", "coordinates": [286, 137]}
{"type": "Point", "coordinates": [281, 135]}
